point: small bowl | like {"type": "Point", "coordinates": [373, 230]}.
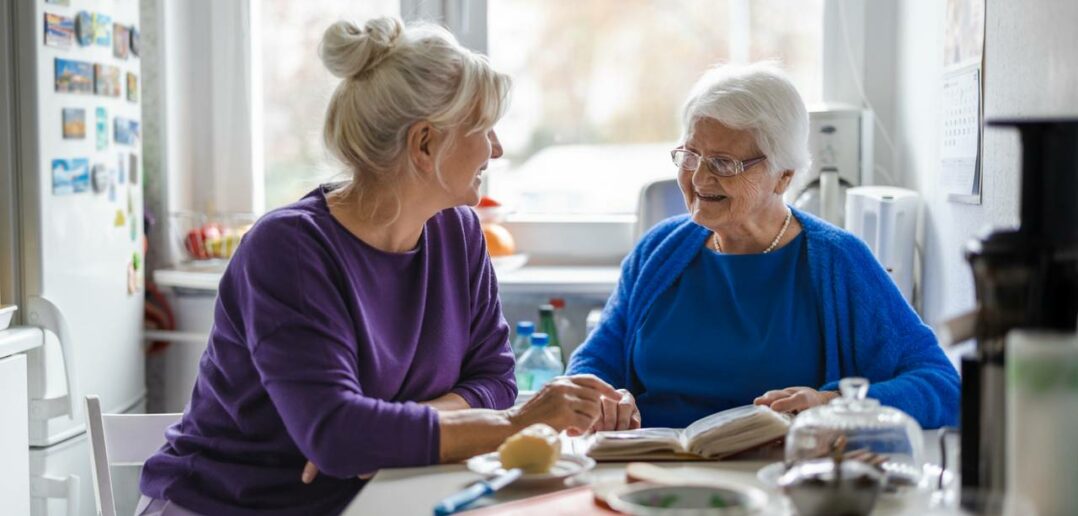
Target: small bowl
{"type": "Point", "coordinates": [822, 487]}
{"type": "Point", "coordinates": [684, 500]}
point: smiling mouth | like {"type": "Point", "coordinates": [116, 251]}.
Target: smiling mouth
{"type": "Point", "coordinates": [710, 198]}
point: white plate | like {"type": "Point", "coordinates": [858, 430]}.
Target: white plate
{"type": "Point", "coordinates": [769, 476]}
{"type": "Point", "coordinates": [509, 263]}
{"type": "Point", "coordinates": [567, 466]}
{"type": "Point", "coordinates": [713, 500]}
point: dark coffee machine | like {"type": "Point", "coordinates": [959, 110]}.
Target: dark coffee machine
{"type": "Point", "coordinates": [1024, 278]}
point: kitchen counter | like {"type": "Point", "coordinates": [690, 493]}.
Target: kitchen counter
{"type": "Point", "coordinates": [18, 339]}
{"type": "Point", "coordinates": [526, 280]}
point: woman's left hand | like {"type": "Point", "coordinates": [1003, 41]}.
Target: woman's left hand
{"type": "Point", "coordinates": [794, 399]}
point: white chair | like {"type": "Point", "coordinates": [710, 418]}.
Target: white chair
{"type": "Point", "coordinates": [120, 440]}
{"type": "Point", "coordinates": [659, 200]}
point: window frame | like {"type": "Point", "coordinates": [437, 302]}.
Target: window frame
{"type": "Point", "coordinates": [842, 62]}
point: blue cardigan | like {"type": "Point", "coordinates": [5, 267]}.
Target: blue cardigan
{"type": "Point", "coordinates": [868, 328]}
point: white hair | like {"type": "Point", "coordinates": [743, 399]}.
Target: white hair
{"type": "Point", "coordinates": [393, 77]}
{"type": "Point", "coordinates": [758, 98]}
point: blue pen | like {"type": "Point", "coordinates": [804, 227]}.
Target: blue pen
{"type": "Point", "coordinates": [462, 499]}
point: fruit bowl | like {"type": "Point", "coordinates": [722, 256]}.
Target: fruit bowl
{"type": "Point", "coordinates": [203, 237]}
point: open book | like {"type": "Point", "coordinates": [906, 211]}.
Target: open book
{"type": "Point", "coordinates": [713, 437]}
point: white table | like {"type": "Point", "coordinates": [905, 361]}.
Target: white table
{"type": "Point", "coordinates": [407, 491]}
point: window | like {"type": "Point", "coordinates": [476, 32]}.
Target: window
{"type": "Point", "coordinates": [296, 90]}
{"type": "Point", "coordinates": [597, 87]}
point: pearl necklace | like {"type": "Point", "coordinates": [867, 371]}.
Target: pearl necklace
{"type": "Point", "coordinates": [775, 242]}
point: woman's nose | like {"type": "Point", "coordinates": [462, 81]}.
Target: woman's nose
{"type": "Point", "coordinates": [495, 145]}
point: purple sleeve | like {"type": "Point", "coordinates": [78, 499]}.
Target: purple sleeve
{"type": "Point", "coordinates": [303, 345]}
{"type": "Point", "coordinates": [487, 377]}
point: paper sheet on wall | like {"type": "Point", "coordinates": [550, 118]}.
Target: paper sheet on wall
{"type": "Point", "coordinates": [961, 131]}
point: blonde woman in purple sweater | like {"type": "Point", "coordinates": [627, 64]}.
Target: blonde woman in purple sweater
{"type": "Point", "coordinates": [360, 327]}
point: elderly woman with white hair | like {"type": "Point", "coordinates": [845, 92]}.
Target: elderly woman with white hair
{"type": "Point", "coordinates": [360, 327]}
{"type": "Point", "coordinates": [747, 300]}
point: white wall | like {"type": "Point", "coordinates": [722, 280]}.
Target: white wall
{"type": "Point", "coordinates": [1031, 69]}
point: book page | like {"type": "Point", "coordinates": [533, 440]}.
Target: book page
{"type": "Point", "coordinates": [734, 430]}
{"type": "Point", "coordinates": [636, 442]}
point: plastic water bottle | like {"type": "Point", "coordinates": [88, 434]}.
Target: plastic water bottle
{"type": "Point", "coordinates": [537, 366]}
{"type": "Point", "coordinates": [548, 326]}
{"type": "Point", "coordinates": [523, 340]}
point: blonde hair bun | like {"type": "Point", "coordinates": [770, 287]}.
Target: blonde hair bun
{"type": "Point", "coordinates": [349, 51]}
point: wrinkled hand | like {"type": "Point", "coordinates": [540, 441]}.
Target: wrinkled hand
{"type": "Point", "coordinates": [618, 413]}
{"type": "Point", "coordinates": [569, 403]}
{"type": "Point", "coordinates": [794, 399]}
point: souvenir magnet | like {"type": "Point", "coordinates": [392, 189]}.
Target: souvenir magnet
{"type": "Point", "coordinates": [102, 29]}
{"type": "Point", "coordinates": [135, 44]}
{"type": "Point", "coordinates": [84, 28]}
{"type": "Point", "coordinates": [59, 30]}
{"type": "Point", "coordinates": [100, 177]}
{"type": "Point", "coordinates": [74, 120]}
{"type": "Point", "coordinates": [74, 76]}
{"type": "Point", "coordinates": [132, 87]}
{"type": "Point", "coordinates": [120, 41]}
{"type": "Point", "coordinates": [102, 128]}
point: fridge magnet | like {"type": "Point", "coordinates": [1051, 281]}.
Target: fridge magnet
{"type": "Point", "coordinates": [132, 279]}
{"type": "Point", "coordinates": [134, 227]}
{"type": "Point", "coordinates": [59, 30]}
{"type": "Point", "coordinates": [112, 193]}
{"type": "Point", "coordinates": [120, 220]}
{"type": "Point", "coordinates": [135, 44]}
{"type": "Point", "coordinates": [136, 260]}
{"type": "Point", "coordinates": [102, 29]}
{"type": "Point", "coordinates": [102, 128]}
{"type": "Point", "coordinates": [130, 204]}
{"type": "Point", "coordinates": [84, 28]}
{"type": "Point", "coordinates": [74, 127]}
{"type": "Point", "coordinates": [70, 176]}
{"type": "Point", "coordinates": [106, 80]}
{"type": "Point", "coordinates": [120, 41]}
{"type": "Point", "coordinates": [65, 3]}
{"type": "Point", "coordinates": [132, 169]}
{"type": "Point", "coordinates": [74, 76]}
{"type": "Point", "coordinates": [121, 167]}
{"type": "Point", "coordinates": [125, 132]}
{"type": "Point", "coordinates": [132, 87]}
{"type": "Point", "coordinates": [100, 177]}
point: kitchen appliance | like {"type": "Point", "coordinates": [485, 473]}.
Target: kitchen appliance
{"type": "Point", "coordinates": [72, 255]}
{"type": "Point", "coordinates": [1024, 278]}
{"type": "Point", "coordinates": [885, 217]}
{"type": "Point", "coordinates": [840, 141]}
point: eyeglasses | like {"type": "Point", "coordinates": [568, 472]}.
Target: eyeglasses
{"type": "Point", "coordinates": [724, 166]}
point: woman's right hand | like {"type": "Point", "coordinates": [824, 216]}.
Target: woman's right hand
{"type": "Point", "coordinates": [570, 403]}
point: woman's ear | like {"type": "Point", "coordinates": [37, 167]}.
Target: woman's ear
{"type": "Point", "coordinates": [421, 146]}
{"type": "Point", "coordinates": [785, 177]}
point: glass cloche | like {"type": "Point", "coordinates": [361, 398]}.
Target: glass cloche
{"type": "Point", "coordinates": [854, 427]}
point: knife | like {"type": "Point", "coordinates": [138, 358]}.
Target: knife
{"type": "Point", "coordinates": [464, 498]}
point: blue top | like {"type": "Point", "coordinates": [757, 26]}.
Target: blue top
{"type": "Point", "coordinates": [867, 327]}
{"type": "Point", "coordinates": [703, 350]}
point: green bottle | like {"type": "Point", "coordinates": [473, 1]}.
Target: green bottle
{"type": "Point", "coordinates": [548, 326]}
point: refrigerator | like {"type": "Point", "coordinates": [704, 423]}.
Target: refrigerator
{"type": "Point", "coordinates": [73, 255]}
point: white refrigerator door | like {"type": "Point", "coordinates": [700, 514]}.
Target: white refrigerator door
{"type": "Point", "coordinates": [75, 252]}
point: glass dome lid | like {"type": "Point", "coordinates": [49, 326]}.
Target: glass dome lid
{"type": "Point", "coordinates": [855, 427]}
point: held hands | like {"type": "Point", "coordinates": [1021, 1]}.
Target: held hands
{"type": "Point", "coordinates": [618, 413]}
{"type": "Point", "coordinates": [570, 403]}
{"type": "Point", "coordinates": [794, 399]}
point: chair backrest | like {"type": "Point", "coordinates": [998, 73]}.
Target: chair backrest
{"type": "Point", "coordinates": [659, 200]}
{"type": "Point", "coordinates": [120, 440]}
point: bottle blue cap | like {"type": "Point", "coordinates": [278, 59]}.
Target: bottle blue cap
{"type": "Point", "coordinates": [540, 339]}
{"type": "Point", "coordinates": [525, 328]}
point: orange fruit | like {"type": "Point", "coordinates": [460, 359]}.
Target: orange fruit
{"type": "Point", "coordinates": [499, 240]}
